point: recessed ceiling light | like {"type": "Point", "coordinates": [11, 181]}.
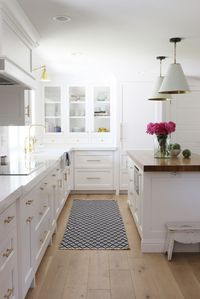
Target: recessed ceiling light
{"type": "Point", "coordinates": [77, 54]}
{"type": "Point", "coordinates": [62, 18]}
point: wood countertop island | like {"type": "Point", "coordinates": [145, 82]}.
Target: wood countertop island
{"type": "Point", "coordinates": [162, 191]}
{"type": "Point", "coordinates": [146, 161]}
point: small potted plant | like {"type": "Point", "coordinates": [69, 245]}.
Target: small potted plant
{"type": "Point", "coordinates": [175, 150]}
{"type": "Point", "coordinates": [186, 153]}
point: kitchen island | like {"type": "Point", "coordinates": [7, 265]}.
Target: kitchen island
{"type": "Point", "coordinates": [162, 191]}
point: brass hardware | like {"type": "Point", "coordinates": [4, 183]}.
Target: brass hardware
{"type": "Point", "coordinates": [54, 186]}
{"type": "Point", "coordinates": [29, 219]}
{"type": "Point", "coordinates": [8, 252]}
{"type": "Point", "coordinates": [27, 110]}
{"type": "Point", "coordinates": [53, 174]}
{"type": "Point", "coordinates": [57, 169]}
{"type": "Point", "coordinates": [9, 293]}
{"type": "Point", "coordinates": [9, 219]}
{"type": "Point", "coordinates": [45, 206]}
{"type": "Point", "coordinates": [29, 202]}
{"type": "Point", "coordinates": [40, 213]}
{"type": "Point", "coordinates": [46, 183]}
{"type": "Point", "coordinates": [41, 188]}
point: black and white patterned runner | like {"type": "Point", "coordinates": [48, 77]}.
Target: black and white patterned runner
{"type": "Point", "coordinates": [95, 224]}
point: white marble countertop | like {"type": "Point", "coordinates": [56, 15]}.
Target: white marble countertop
{"type": "Point", "coordinates": [12, 187]}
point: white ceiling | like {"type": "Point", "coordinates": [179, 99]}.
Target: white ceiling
{"type": "Point", "coordinates": [120, 35]}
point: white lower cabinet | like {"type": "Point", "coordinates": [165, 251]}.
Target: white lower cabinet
{"type": "Point", "coordinates": [38, 212]}
{"type": "Point", "coordinates": [8, 254]}
{"type": "Point", "coordinates": [94, 170]}
{"type": "Point", "coordinates": [135, 193]}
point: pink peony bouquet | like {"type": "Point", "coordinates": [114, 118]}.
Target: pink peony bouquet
{"type": "Point", "coordinates": [162, 128]}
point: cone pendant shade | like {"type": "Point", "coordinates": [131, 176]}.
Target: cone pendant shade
{"type": "Point", "coordinates": [156, 96]}
{"type": "Point", "coordinates": [175, 81]}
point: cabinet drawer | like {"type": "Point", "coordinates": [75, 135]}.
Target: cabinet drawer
{"type": "Point", "coordinates": [7, 249]}
{"type": "Point", "coordinates": [94, 179]}
{"type": "Point", "coordinates": [7, 221]}
{"type": "Point", "coordinates": [42, 238]}
{"type": "Point", "coordinates": [8, 281]}
{"type": "Point", "coordinates": [95, 160]}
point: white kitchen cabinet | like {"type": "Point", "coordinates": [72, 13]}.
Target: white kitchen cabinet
{"type": "Point", "coordinates": [94, 170]}
{"type": "Point", "coordinates": [38, 212]}
{"type": "Point", "coordinates": [26, 240]}
{"type": "Point", "coordinates": [135, 112]}
{"type": "Point", "coordinates": [83, 113]}
{"type": "Point", "coordinates": [17, 36]}
{"type": "Point", "coordinates": [21, 113]}
{"type": "Point", "coordinates": [52, 109]}
{"type": "Point", "coordinates": [135, 193]}
{"type": "Point", "coordinates": [8, 254]}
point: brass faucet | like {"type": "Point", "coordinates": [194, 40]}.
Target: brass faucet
{"type": "Point", "coordinates": [31, 140]}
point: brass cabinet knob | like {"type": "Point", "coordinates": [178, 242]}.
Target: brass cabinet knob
{"type": "Point", "coordinates": [29, 219]}
{"type": "Point", "coordinates": [29, 202]}
{"type": "Point", "coordinates": [9, 219]}
{"type": "Point", "coordinates": [9, 293]}
{"type": "Point", "coordinates": [7, 252]}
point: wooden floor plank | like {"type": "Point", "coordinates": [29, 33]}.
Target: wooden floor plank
{"type": "Point", "coordinates": [98, 294]}
{"type": "Point", "coordinates": [98, 276]}
{"type": "Point", "coordinates": [121, 284]}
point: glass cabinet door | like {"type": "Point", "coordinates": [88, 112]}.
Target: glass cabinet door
{"type": "Point", "coordinates": [77, 109]}
{"type": "Point", "coordinates": [52, 102]}
{"type": "Point", "coordinates": [101, 109]}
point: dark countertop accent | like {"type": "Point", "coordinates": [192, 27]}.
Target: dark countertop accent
{"type": "Point", "coordinates": [146, 161]}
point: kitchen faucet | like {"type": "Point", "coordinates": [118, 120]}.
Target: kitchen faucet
{"type": "Point", "coordinates": [31, 140]}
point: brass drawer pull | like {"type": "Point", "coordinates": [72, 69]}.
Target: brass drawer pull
{"type": "Point", "coordinates": [40, 213]}
{"type": "Point", "coordinates": [41, 188]}
{"type": "Point", "coordinates": [9, 293]}
{"type": "Point", "coordinates": [45, 206]}
{"type": "Point", "coordinates": [29, 202]}
{"type": "Point", "coordinates": [29, 219]}
{"type": "Point", "coordinates": [9, 219]}
{"type": "Point", "coordinates": [53, 174]}
{"type": "Point", "coordinates": [57, 169]}
{"type": "Point", "coordinates": [8, 252]}
{"type": "Point", "coordinates": [46, 183]}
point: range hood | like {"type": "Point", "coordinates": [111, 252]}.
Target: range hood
{"type": "Point", "coordinates": [13, 74]}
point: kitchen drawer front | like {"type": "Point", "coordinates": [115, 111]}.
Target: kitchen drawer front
{"type": "Point", "coordinates": [93, 179]}
{"type": "Point", "coordinates": [93, 160]}
{"type": "Point", "coordinates": [42, 240]}
{"type": "Point", "coordinates": [7, 221]}
{"type": "Point", "coordinates": [8, 281]}
{"type": "Point", "coordinates": [8, 249]}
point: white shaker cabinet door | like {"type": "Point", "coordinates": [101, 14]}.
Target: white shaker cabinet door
{"type": "Point", "coordinates": [136, 113]}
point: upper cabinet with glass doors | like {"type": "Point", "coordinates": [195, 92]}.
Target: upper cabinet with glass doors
{"type": "Point", "coordinates": [52, 109]}
{"type": "Point", "coordinates": [101, 97]}
{"type": "Point", "coordinates": [77, 109]}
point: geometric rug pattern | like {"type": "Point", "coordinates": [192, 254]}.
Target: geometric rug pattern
{"type": "Point", "coordinates": [95, 224]}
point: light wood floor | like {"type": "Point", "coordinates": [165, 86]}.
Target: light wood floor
{"type": "Point", "coordinates": [114, 274]}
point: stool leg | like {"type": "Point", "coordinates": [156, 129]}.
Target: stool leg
{"type": "Point", "coordinates": [170, 249]}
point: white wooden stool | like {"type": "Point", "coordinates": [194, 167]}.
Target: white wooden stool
{"type": "Point", "coordinates": [183, 232]}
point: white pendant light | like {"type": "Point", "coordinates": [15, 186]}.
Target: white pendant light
{"type": "Point", "coordinates": [175, 81]}
{"type": "Point", "coordinates": [156, 96]}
